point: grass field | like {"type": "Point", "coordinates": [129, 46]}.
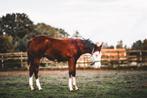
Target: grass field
{"type": "Point", "coordinates": [92, 84]}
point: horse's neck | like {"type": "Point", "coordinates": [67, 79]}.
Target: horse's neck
{"type": "Point", "coordinates": [87, 50]}
{"type": "Point", "coordinates": [84, 48]}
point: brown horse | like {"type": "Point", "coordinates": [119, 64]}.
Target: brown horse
{"type": "Point", "coordinates": [60, 50]}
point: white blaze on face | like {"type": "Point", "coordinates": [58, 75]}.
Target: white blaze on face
{"type": "Point", "coordinates": [96, 56]}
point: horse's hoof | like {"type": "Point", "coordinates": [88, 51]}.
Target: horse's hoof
{"type": "Point", "coordinates": [32, 89]}
{"type": "Point", "coordinates": [71, 90]}
{"type": "Point", "coordinates": [40, 89]}
{"type": "Point", "coordinates": [77, 89]}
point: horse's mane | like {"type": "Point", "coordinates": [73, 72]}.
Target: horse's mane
{"type": "Point", "coordinates": [88, 43]}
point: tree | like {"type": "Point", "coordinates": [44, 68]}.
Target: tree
{"type": "Point", "coordinates": [6, 44]}
{"type": "Point", "coordinates": [119, 44]}
{"type": "Point", "coordinates": [105, 45]}
{"type": "Point", "coordinates": [77, 35]}
{"type": "Point", "coordinates": [137, 45]}
{"type": "Point", "coordinates": [65, 34]}
{"type": "Point", "coordinates": [16, 25]}
{"type": "Point", "coordinates": [145, 44]}
{"type": "Point", "coordinates": [20, 28]}
{"type": "Point", "coordinates": [44, 29]}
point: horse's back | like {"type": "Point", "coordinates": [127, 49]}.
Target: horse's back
{"type": "Point", "coordinates": [37, 43]}
{"type": "Point", "coordinates": [43, 44]}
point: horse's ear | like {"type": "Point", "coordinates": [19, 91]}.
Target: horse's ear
{"type": "Point", "coordinates": [99, 45]}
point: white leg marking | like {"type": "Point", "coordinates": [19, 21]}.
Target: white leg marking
{"type": "Point", "coordinates": [31, 83]}
{"type": "Point", "coordinates": [38, 84]}
{"type": "Point", "coordinates": [74, 83]}
{"type": "Point", "coordinates": [70, 84]}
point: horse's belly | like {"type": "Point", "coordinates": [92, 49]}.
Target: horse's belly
{"type": "Point", "coordinates": [57, 58]}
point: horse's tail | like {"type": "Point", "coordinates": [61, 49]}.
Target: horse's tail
{"type": "Point", "coordinates": [30, 57]}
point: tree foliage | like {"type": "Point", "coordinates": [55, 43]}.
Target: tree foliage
{"type": "Point", "coordinates": [119, 44]}
{"type": "Point", "coordinates": [16, 29]}
{"type": "Point", "coordinates": [77, 35]}
{"type": "Point", "coordinates": [106, 46]}
{"type": "Point", "coordinates": [16, 25]}
{"type": "Point", "coordinates": [137, 45]}
{"type": "Point", "coordinates": [44, 29]}
{"type": "Point", "coordinates": [6, 44]}
{"type": "Point", "coordinates": [62, 32]}
{"type": "Point", "coordinates": [145, 44]}
{"type": "Point", "coordinates": [140, 45]}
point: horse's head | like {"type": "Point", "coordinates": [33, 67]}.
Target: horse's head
{"type": "Point", "coordinates": [98, 47]}
{"type": "Point", "coordinates": [96, 52]}
{"type": "Point", "coordinates": [90, 47]}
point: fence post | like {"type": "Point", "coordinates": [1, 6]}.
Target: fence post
{"type": "Point", "coordinates": [21, 59]}
{"type": "Point", "coordinates": [2, 60]}
{"type": "Point", "coordinates": [84, 62]}
{"type": "Point", "coordinates": [118, 57]}
{"type": "Point", "coordinates": [140, 58]}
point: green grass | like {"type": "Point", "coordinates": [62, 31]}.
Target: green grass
{"type": "Point", "coordinates": [92, 84]}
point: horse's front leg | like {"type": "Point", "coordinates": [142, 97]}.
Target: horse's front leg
{"type": "Point", "coordinates": [37, 79]}
{"type": "Point", "coordinates": [72, 75]}
{"type": "Point", "coordinates": [74, 83]}
{"type": "Point", "coordinates": [31, 71]}
{"type": "Point", "coordinates": [36, 70]}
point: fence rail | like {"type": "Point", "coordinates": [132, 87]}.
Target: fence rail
{"type": "Point", "coordinates": [109, 57]}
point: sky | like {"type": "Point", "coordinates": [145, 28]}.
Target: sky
{"type": "Point", "coordinates": [99, 20]}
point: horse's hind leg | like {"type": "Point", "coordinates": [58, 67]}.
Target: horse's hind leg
{"type": "Point", "coordinates": [36, 70]}
{"type": "Point", "coordinates": [31, 70]}
{"type": "Point", "coordinates": [72, 75]}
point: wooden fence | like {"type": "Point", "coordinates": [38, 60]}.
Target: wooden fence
{"type": "Point", "coordinates": [137, 57]}
{"type": "Point", "coordinates": [114, 56]}
{"type": "Point", "coordinates": [109, 57]}
{"type": "Point", "coordinates": [20, 57]}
